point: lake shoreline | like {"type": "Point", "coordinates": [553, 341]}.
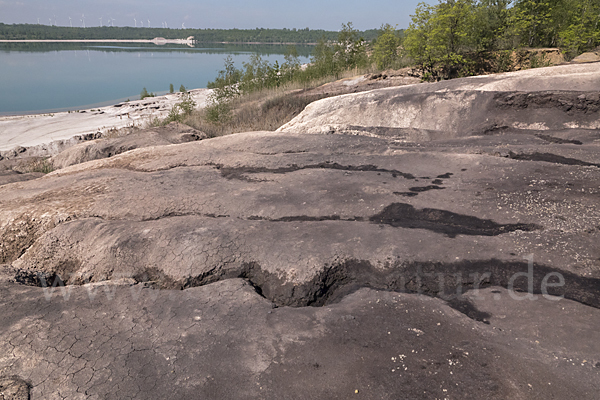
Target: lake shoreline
{"type": "Point", "coordinates": [43, 128]}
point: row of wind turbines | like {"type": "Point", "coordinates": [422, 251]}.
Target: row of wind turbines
{"type": "Point", "coordinates": [111, 22]}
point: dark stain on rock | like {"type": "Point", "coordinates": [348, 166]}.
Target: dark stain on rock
{"type": "Point", "coordinates": [570, 102]}
{"type": "Point", "coordinates": [301, 218]}
{"type": "Point", "coordinates": [241, 172]}
{"type": "Point", "coordinates": [402, 215]}
{"type": "Point", "coordinates": [406, 194]}
{"type": "Point", "coordinates": [437, 182]}
{"type": "Point", "coordinates": [556, 140]}
{"type": "Point", "coordinates": [445, 176]}
{"type": "Point", "coordinates": [551, 158]}
{"type": "Point", "coordinates": [419, 189]}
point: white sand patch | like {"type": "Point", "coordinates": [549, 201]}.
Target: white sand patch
{"type": "Point", "coordinates": [32, 130]}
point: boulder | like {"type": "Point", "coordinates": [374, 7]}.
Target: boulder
{"type": "Point", "coordinates": [586, 58]}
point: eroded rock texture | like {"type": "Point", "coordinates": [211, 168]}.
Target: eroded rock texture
{"type": "Point", "coordinates": [190, 268]}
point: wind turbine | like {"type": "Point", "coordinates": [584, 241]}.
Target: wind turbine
{"type": "Point", "coordinates": [83, 19]}
{"type": "Point", "coordinates": [182, 25]}
{"type": "Point", "coordinates": [100, 21]}
{"type": "Point", "coordinates": [70, 22]}
{"type": "Point", "coordinates": [148, 23]}
{"type": "Point", "coordinates": [142, 23]}
{"type": "Point", "coordinates": [166, 26]}
{"type": "Point", "coordinates": [55, 20]}
{"type": "Point", "coordinates": [38, 21]}
{"type": "Point", "coordinates": [135, 22]}
{"type": "Point", "coordinates": [50, 19]}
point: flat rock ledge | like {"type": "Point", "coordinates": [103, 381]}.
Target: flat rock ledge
{"type": "Point", "coordinates": [448, 253]}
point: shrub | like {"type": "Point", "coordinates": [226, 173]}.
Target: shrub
{"type": "Point", "coordinates": [181, 110]}
{"type": "Point", "coordinates": [144, 94]}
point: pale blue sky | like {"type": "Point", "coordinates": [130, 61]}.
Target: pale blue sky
{"type": "Point", "coordinates": [243, 14]}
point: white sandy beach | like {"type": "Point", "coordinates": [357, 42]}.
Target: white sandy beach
{"type": "Point", "coordinates": [33, 130]}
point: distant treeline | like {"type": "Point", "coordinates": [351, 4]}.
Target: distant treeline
{"type": "Point", "coordinates": [261, 35]}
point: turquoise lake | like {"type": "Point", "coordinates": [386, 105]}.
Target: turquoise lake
{"type": "Point", "coordinates": [59, 77]}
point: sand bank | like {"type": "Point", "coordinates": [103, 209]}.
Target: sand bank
{"type": "Point", "coordinates": [32, 130]}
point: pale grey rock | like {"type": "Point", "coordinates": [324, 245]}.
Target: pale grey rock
{"type": "Point", "coordinates": [539, 99]}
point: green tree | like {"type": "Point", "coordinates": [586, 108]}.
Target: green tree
{"type": "Point", "coordinates": [532, 22]}
{"type": "Point", "coordinates": [440, 38]}
{"type": "Point", "coordinates": [385, 48]}
{"type": "Point", "coordinates": [581, 31]}
{"type": "Point", "coordinates": [490, 24]}
{"type": "Point", "coordinates": [171, 89]}
{"type": "Point", "coordinates": [182, 89]}
{"type": "Point", "coordinates": [350, 48]}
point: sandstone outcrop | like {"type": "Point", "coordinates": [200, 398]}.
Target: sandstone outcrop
{"type": "Point", "coordinates": [592, 56]}
{"type": "Point", "coordinates": [451, 251]}
{"type": "Point", "coordinates": [173, 133]}
{"type": "Point", "coordinates": [563, 97]}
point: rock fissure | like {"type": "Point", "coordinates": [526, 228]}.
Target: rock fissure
{"type": "Point", "coordinates": [448, 281]}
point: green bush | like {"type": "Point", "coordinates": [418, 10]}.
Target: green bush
{"type": "Point", "coordinates": [181, 110]}
{"type": "Point", "coordinates": [145, 94]}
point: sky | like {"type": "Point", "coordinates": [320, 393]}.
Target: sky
{"type": "Point", "coordinates": [225, 14]}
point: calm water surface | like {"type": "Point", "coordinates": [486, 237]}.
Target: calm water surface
{"type": "Point", "coordinates": [53, 77]}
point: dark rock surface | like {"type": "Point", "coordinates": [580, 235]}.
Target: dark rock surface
{"type": "Point", "coordinates": [398, 263]}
